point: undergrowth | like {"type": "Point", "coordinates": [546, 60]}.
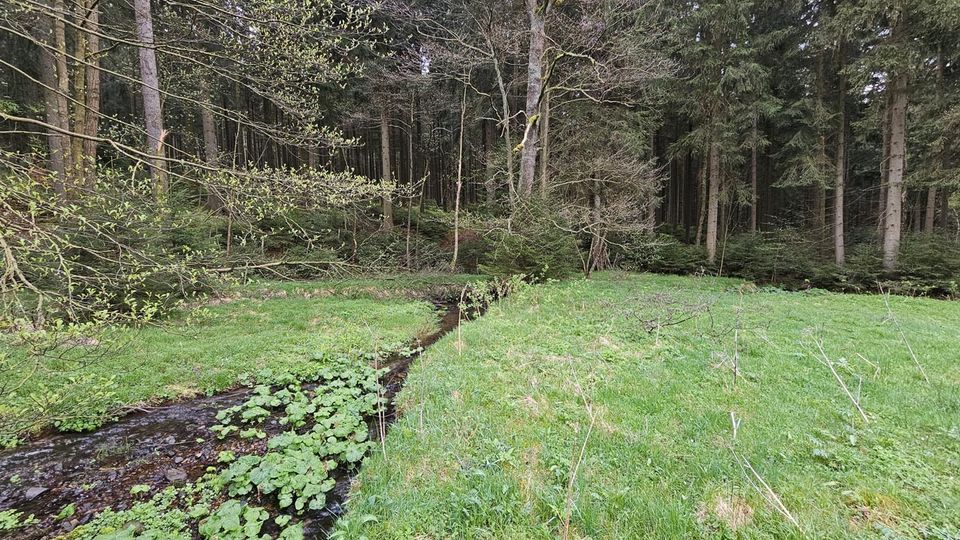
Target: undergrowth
{"type": "Point", "coordinates": [318, 411]}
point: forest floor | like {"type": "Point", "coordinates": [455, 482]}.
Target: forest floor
{"type": "Point", "coordinates": [609, 408]}
{"type": "Point", "coordinates": [203, 350]}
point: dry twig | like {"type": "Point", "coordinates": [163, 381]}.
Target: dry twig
{"type": "Point", "coordinates": [903, 336]}
{"type": "Point", "coordinates": [829, 363]}
{"type": "Point", "coordinates": [757, 481]}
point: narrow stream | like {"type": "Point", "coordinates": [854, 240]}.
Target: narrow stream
{"type": "Point", "coordinates": [167, 445]}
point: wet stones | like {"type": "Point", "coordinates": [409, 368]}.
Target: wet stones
{"type": "Point", "coordinates": [175, 476]}
{"type": "Point", "coordinates": [33, 492]}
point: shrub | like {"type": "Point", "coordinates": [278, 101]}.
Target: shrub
{"type": "Point", "coordinates": [432, 223]}
{"type": "Point", "coordinates": [928, 265]}
{"type": "Point", "coordinates": [662, 254]}
{"type": "Point", "coordinates": [535, 245]}
{"type": "Point", "coordinates": [785, 256]}
{"type": "Point", "coordinates": [388, 251]}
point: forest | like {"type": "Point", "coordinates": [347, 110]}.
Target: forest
{"type": "Point", "coordinates": [479, 269]}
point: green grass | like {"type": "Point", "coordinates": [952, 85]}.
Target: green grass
{"type": "Point", "coordinates": [493, 425]}
{"type": "Point", "coordinates": [256, 326]}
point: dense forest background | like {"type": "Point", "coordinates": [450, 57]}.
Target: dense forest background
{"type": "Point", "coordinates": [151, 149]}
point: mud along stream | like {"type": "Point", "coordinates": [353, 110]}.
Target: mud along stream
{"type": "Point", "coordinates": [167, 445]}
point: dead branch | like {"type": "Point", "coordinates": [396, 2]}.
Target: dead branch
{"type": "Point", "coordinates": [903, 336]}
{"type": "Point", "coordinates": [829, 363]}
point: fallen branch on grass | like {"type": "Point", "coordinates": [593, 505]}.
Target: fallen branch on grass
{"type": "Point", "coordinates": [227, 269]}
{"type": "Point", "coordinates": [903, 336]}
{"type": "Point", "coordinates": [829, 363]}
{"type": "Point", "coordinates": [568, 503]}
{"type": "Point", "coordinates": [756, 480]}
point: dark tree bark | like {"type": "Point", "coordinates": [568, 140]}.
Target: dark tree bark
{"type": "Point", "coordinates": [931, 211]}
{"type": "Point", "coordinates": [387, 224]}
{"type": "Point", "coordinates": [839, 248]}
{"type": "Point", "coordinates": [489, 182]}
{"type": "Point", "coordinates": [507, 119]}
{"type": "Point", "coordinates": [545, 144]}
{"type": "Point", "coordinates": [91, 127]}
{"type": "Point", "coordinates": [884, 168]}
{"type": "Point", "coordinates": [211, 150]}
{"type": "Point", "coordinates": [754, 199]}
{"type": "Point", "coordinates": [55, 141]}
{"type": "Point", "coordinates": [62, 75]}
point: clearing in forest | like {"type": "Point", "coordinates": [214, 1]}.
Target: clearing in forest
{"type": "Point", "coordinates": [638, 406]}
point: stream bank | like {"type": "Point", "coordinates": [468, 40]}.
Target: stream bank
{"type": "Point", "coordinates": [76, 476]}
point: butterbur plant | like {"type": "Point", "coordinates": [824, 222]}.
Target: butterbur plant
{"type": "Point", "coordinates": [324, 411]}
{"type": "Point", "coordinates": [12, 519]}
{"type": "Point", "coordinates": [235, 520]}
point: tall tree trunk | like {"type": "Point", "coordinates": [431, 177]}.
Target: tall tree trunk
{"type": "Point", "coordinates": [945, 208]}
{"type": "Point", "coordinates": [650, 219]}
{"type": "Point", "coordinates": [713, 202]}
{"type": "Point", "coordinates": [150, 90]}
{"type": "Point", "coordinates": [884, 167]}
{"type": "Point", "coordinates": [754, 199]}
{"type": "Point", "coordinates": [79, 91]}
{"type": "Point", "coordinates": [894, 210]}
{"type": "Point", "coordinates": [63, 91]}
{"type": "Point", "coordinates": [702, 198]}
{"type": "Point", "coordinates": [387, 224]}
{"type": "Point", "coordinates": [56, 142]}
{"type": "Point", "coordinates": [92, 75]}
{"type": "Point", "coordinates": [411, 137]}
{"type": "Point", "coordinates": [531, 138]}
{"type": "Point", "coordinates": [456, 203]}
{"type": "Point", "coordinates": [931, 211]}
{"type": "Point", "coordinates": [489, 180]}
{"type": "Point", "coordinates": [506, 120]}
{"type": "Point", "coordinates": [545, 144]}
{"type": "Point", "coordinates": [410, 172]}
{"type": "Point", "coordinates": [930, 221]}
{"type": "Point", "coordinates": [211, 150]}
{"type": "Point", "coordinates": [839, 248]}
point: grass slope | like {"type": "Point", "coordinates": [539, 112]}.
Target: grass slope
{"type": "Point", "coordinates": [493, 424]}
{"type": "Point", "coordinates": [261, 325]}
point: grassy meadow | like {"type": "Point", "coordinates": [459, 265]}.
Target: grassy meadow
{"type": "Point", "coordinates": [204, 350]}
{"type": "Point", "coordinates": [608, 408]}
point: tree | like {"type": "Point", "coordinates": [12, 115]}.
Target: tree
{"type": "Point", "coordinates": [386, 174]}
{"type": "Point", "coordinates": [150, 91]}
{"type": "Point", "coordinates": [537, 11]}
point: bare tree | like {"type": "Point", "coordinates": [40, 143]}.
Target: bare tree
{"type": "Point", "coordinates": [537, 10]}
